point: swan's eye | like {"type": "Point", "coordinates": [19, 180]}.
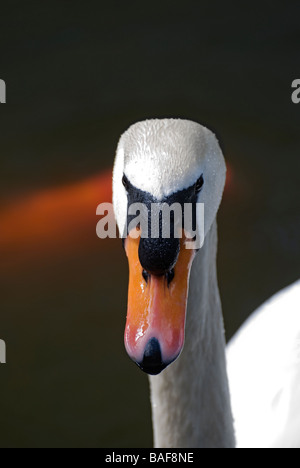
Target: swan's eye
{"type": "Point", "coordinates": [125, 182]}
{"type": "Point", "coordinates": [199, 184]}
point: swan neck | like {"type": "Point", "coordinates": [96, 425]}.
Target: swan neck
{"type": "Point", "coordinates": [190, 399]}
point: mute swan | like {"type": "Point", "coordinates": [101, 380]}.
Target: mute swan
{"type": "Point", "coordinates": [173, 297]}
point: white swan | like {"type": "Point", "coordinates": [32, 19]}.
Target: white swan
{"type": "Point", "coordinates": [173, 292]}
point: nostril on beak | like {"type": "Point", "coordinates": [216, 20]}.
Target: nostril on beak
{"type": "Point", "coordinates": [152, 361]}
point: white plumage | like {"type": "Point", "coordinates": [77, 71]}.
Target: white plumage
{"type": "Point", "coordinates": [264, 374]}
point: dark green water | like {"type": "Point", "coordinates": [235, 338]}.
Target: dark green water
{"type": "Point", "coordinates": [78, 74]}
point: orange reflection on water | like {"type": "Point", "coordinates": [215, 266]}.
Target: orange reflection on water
{"type": "Point", "coordinates": [53, 221]}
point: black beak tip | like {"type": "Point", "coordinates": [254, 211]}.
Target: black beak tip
{"type": "Point", "coordinates": [152, 362]}
{"type": "Point", "coordinates": [151, 370]}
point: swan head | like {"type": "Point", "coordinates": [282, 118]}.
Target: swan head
{"type": "Point", "coordinates": [160, 163]}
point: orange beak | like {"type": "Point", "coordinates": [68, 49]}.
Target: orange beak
{"type": "Point", "coordinates": [155, 327]}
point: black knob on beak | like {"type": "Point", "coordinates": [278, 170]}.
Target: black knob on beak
{"type": "Point", "coordinates": [152, 361]}
{"type": "Point", "coordinates": [159, 256]}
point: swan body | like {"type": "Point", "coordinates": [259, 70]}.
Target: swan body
{"type": "Point", "coordinates": [264, 374]}
{"type": "Point", "coordinates": [174, 328]}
